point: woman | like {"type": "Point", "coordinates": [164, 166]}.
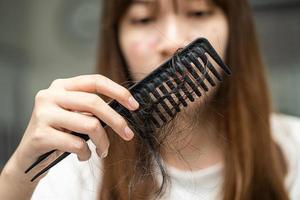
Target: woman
{"type": "Point", "coordinates": [225, 146]}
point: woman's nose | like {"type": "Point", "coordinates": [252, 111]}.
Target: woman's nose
{"type": "Point", "coordinates": [172, 37]}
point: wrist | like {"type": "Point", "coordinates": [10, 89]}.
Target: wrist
{"type": "Point", "coordinates": [14, 183]}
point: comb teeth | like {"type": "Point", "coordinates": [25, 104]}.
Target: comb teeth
{"type": "Point", "coordinates": [176, 82]}
{"type": "Point", "coordinates": [202, 69]}
{"type": "Point", "coordinates": [175, 91]}
{"type": "Point", "coordinates": [164, 91]}
{"type": "Point", "coordinates": [145, 114]}
{"type": "Point", "coordinates": [180, 84]}
{"type": "Point", "coordinates": [159, 98]}
{"type": "Point", "coordinates": [187, 62]}
{"type": "Point", "coordinates": [211, 51]}
{"type": "Point", "coordinates": [184, 74]}
{"type": "Point", "coordinates": [202, 55]}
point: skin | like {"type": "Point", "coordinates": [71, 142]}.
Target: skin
{"type": "Point", "coordinates": [52, 120]}
{"type": "Point", "coordinates": [149, 34]}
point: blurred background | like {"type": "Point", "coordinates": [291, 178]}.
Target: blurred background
{"type": "Point", "coordinates": [43, 40]}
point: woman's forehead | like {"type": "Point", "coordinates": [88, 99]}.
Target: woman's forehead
{"type": "Point", "coordinates": [175, 4]}
{"type": "Point", "coordinates": [149, 2]}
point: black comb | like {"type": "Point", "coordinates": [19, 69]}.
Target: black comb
{"type": "Point", "coordinates": [163, 92]}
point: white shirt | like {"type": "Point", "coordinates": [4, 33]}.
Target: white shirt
{"type": "Point", "coordinates": [74, 180]}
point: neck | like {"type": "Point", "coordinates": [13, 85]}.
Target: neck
{"type": "Point", "coordinates": [194, 143]}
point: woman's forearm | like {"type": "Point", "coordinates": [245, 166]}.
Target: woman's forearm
{"type": "Point", "coordinates": [14, 184]}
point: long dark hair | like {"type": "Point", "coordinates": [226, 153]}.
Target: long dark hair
{"type": "Point", "coordinates": [254, 166]}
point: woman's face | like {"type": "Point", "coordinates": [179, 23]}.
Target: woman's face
{"type": "Point", "coordinates": [152, 30]}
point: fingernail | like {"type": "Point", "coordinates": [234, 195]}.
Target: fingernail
{"type": "Point", "coordinates": [133, 103]}
{"type": "Point", "coordinates": [104, 154]}
{"type": "Point", "coordinates": [128, 133]}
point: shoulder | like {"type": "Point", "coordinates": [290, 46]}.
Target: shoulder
{"type": "Point", "coordinates": [290, 122]}
{"type": "Point", "coordinates": [286, 129]}
{"type": "Point", "coordinates": [286, 133]}
{"type": "Point", "coordinates": [71, 179]}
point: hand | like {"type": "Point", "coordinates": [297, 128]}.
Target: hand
{"type": "Point", "coordinates": [72, 105]}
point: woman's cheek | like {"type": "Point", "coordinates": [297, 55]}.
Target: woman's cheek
{"type": "Point", "coordinates": [140, 56]}
{"type": "Point", "coordinates": [142, 46]}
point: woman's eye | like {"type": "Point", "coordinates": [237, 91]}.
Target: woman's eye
{"type": "Point", "coordinates": [199, 13]}
{"type": "Point", "coordinates": [142, 20]}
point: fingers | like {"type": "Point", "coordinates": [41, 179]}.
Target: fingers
{"type": "Point", "coordinates": [68, 143]}
{"type": "Point", "coordinates": [98, 84]}
{"type": "Point", "coordinates": [86, 102]}
{"type": "Point", "coordinates": [85, 124]}
{"type": "Point", "coordinates": [55, 108]}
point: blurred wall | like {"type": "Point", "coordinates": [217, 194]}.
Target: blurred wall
{"type": "Point", "coordinates": [278, 25]}
{"type": "Point", "coordinates": [43, 40]}
{"type": "Point", "coordinates": [40, 41]}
